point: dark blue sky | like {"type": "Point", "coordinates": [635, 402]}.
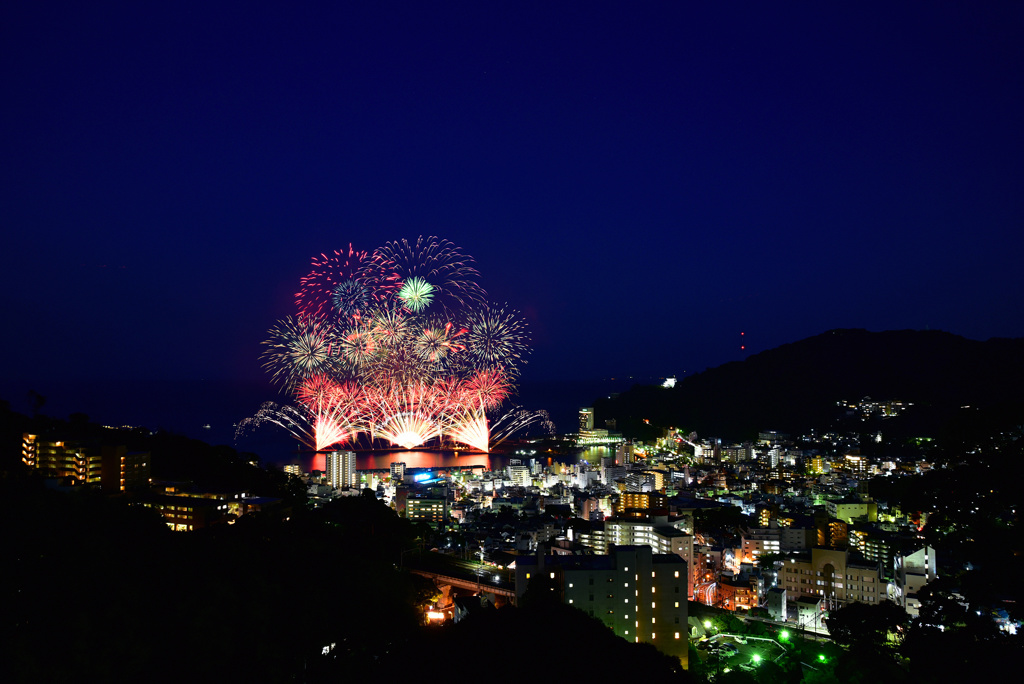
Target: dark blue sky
{"type": "Point", "coordinates": [643, 180]}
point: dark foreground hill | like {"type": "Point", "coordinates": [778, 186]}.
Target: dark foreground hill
{"type": "Point", "coordinates": [796, 386]}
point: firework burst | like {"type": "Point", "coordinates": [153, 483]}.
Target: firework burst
{"type": "Point", "coordinates": [344, 284]}
{"type": "Point", "coordinates": [364, 358]}
{"type": "Point", "coordinates": [300, 348]}
{"type": "Point", "coordinates": [416, 293]}
{"type": "Point", "coordinates": [436, 263]}
{"type": "Point", "coordinates": [313, 429]}
{"type": "Point", "coordinates": [497, 338]}
{"type": "Point", "coordinates": [436, 343]}
{"type": "Point", "coordinates": [472, 427]}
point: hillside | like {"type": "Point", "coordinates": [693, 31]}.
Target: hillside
{"type": "Point", "coordinates": [796, 386]}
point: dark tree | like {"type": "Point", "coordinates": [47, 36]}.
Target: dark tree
{"type": "Point", "coordinates": [877, 626]}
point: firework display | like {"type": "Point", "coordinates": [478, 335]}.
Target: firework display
{"type": "Point", "coordinates": [396, 347]}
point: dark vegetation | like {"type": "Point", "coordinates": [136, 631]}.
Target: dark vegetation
{"type": "Point", "coordinates": [795, 387]}
{"type": "Point", "coordinates": [97, 590]}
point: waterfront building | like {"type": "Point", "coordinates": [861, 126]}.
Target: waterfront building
{"type": "Point", "coordinates": [341, 469]}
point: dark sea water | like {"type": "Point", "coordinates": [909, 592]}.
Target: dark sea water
{"type": "Point", "coordinates": [209, 410]}
{"type": "Point", "coordinates": [447, 459]}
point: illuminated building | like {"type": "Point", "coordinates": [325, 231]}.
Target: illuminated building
{"type": "Point", "coordinates": [766, 514]}
{"type": "Point", "coordinates": [341, 469]}
{"type": "Point", "coordinates": [589, 508]}
{"type": "Point", "coordinates": [913, 571]}
{"type": "Point", "coordinates": [124, 471]}
{"type": "Point", "coordinates": [648, 480]}
{"type": "Point", "coordinates": [859, 466]}
{"type": "Point", "coordinates": [736, 453]}
{"type": "Point", "coordinates": [586, 419]}
{"type": "Point", "coordinates": [397, 471]}
{"type": "Point", "coordinates": [775, 602]}
{"type": "Point", "coordinates": [589, 436]}
{"type": "Point", "coordinates": [832, 532]}
{"type": "Point", "coordinates": [639, 595]}
{"type": "Point", "coordinates": [114, 468]}
{"type": "Point", "coordinates": [736, 595]}
{"type": "Point", "coordinates": [611, 472]}
{"type": "Point", "coordinates": [433, 511]}
{"type": "Point", "coordinates": [62, 459]}
{"type": "Point", "coordinates": [293, 469]}
{"type": "Point", "coordinates": [831, 575]}
{"type": "Point", "coordinates": [641, 504]}
{"type": "Point", "coordinates": [810, 610]}
{"type": "Point", "coordinates": [658, 534]}
{"type": "Point", "coordinates": [772, 457]}
{"type": "Point", "coordinates": [624, 453]}
{"type": "Point", "coordinates": [757, 541]}
{"type": "Point", "coordinates": [875, 545]}
{"type": "Point", "coordinates": [849, 510]}
{"type": "Point", "coordinates": [770, 437]}
{"type": "Point", "coordinates": [188, 513]}
{"type": "Point", "coordinates": [520, 475]}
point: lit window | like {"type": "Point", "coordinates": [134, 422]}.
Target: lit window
{"type": "Point", "coordinates": [552, 575]}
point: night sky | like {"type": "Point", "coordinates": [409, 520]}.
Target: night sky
{"type": "Point", "coordinates": [644, 181]}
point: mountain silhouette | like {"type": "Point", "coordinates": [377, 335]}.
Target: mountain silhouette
{"type": "Point", "coordinates": [796, 386]}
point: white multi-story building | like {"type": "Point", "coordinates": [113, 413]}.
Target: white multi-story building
{"type": "Point", "coordinates": [659, 535]}
{"type": "Point", "coordinates": [341, 469]}
{"type": "Point", "coordinates": [520, 475]}
{"type": "Point", "coordinates": [757, 541]}
{"type": "Point", "coordinates": [639, 595]}
{"type": "Point", "coordinates": [913, 571]}
{"type": "Point", "coordinates": [397, 471]}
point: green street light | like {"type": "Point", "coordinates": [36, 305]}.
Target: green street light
{"type": "Point", "coordinates": [757, 658]}
{"type": "Point", "coordinates": [707, 624]}
{"type": "Point", "coordinates": [821, 657]}
{"type": "Point", "coordinates": [784, 634]}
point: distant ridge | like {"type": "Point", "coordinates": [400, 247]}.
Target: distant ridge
{"type": "Point", "coordinates": [796, 386]}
